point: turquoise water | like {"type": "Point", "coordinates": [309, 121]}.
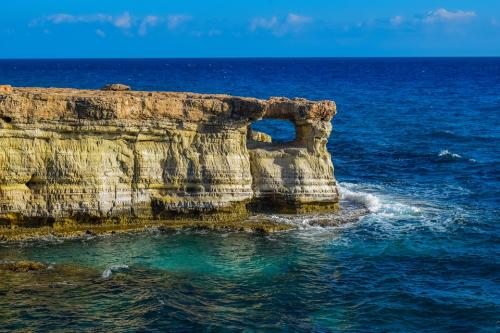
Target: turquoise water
{"type": "Point", "coordinates": [415, 144]}
{"type": "Point", "coordinates": [351, 279]}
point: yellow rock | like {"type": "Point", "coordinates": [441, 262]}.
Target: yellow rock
{"type": "Point", "coordinates": [21, 266]}
{"type": "Point", "coordinates": [85, 156]}
{"type": "Point", "coordinates": [5, 88]}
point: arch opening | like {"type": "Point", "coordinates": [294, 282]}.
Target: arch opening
{"type": "Point", "coordinates": [273, 130]}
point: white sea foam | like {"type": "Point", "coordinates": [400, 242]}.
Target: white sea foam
{"type": "Point", "coordinates": [113, 268]}
{"type": "Point", "coordinates": [393, 215]}
{"type": "Point", "coordinates": [376, 202]}
{"type": "Point", "coordinates": [447, 154]}
{"type": "Point", "coordinates": [374, 209]}
{"type": "Point", "coordinates": [300, 221]}
{"type": "Point", "coordinates": [368, 200]}
{"type": "Point", "coordinates": [359, 202]}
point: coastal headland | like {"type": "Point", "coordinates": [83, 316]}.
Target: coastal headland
{"type": "Point", "coordinates": [114, 159]}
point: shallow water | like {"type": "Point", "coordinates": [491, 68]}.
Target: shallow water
{"type": "Point", "coordinates": [415, 143]}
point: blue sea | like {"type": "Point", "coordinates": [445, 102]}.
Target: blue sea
{"type": "Point", "coordinates": [416, 142]}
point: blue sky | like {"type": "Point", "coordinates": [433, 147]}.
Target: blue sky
{"type": "Point", "coordinates": [257, 28]}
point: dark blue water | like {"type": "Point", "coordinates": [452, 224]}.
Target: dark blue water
{"type": "Point", "coordinates": [416, 141]}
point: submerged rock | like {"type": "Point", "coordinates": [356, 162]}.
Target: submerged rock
{"type": "Point", "coordinates": [86, 157]}
{"type": "Point", "coordinates": [21, 266]}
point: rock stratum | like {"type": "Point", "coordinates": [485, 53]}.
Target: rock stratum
{"type": "Point", "coordinates": [91, 156]}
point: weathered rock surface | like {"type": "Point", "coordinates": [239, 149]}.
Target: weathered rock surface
{"type": "Point", "coordinates": [85, 156]}
{"type": "Point", "coordinates": [5, 88]}
{"type": "Point", "coordinates": [116, 87]}
{"type": "Point", "coordinates": [21, 266]}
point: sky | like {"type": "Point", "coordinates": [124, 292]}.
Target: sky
{"type": "Point", "coordinates": [257, 28]}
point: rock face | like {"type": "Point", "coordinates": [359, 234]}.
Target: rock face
{"type": "Point", "coordinates": [91, 155]}
{"type": "Point", "coordinates": [116, 87]}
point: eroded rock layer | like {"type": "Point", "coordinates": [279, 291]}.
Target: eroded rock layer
{"type": "Point", "coordinates": [86, 154]}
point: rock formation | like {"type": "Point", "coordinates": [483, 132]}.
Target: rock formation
{"type": "Point", "coordinates": [86, 156]}
{"type": "Point", "coordinates": [116, 87]}
{"type": "Point", "coordinates": [21, 266]}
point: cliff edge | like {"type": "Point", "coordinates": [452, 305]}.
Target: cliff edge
{"type": "Point", "coordinates": [90, 156]}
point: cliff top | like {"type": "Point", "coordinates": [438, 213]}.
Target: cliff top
{"type": "Point", "coordinates": [29, 104]}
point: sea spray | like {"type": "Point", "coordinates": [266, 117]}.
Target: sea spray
{"type": "Point", "coordinates": [368, 200]}
{"type": "Point", "coordinates": [113, 268]}
{"type": "Point", "coordinates": [445, 153]}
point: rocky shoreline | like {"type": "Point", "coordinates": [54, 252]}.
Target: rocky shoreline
{"type": "Point", "coordinates": [260, 223]}
{"type": "Point", "coordinates": [81, 230]}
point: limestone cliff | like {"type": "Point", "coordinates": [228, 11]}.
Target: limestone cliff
{"type": "Point", "coordinates": [90, 155]}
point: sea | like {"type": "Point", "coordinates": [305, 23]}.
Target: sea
{"type": "Point", "coordinates": [416, 143]}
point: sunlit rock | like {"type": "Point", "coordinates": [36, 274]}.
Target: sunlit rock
{"type": "Point", "coordinates": [85, 156]}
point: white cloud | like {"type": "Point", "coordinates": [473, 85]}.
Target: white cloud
{"type": "Point", "coordinates": [146, 23]}
{"type": "Point", "coordinates": [263, 23]}
{"type": "Point", "coordinates": [209, 33]}
{"type": "Point", "coordinates": [123, 21]}
{"type": "Point", "coordinates": [440, 15]}
{"type": "Point", "coordinates": [174, 21]}
{"type": "Point", "coordinates": [397, 20]}
{"type": "Point", "coordinates": [444, 15]}
{"type": "Point", "coordinates": [292, 23]}
{"type": "Point", "coordinates": [100, 33]}
{"type": "Point", "coordinates": [62, 18]}
{"type": "Point", "coordinates": [296, 20]}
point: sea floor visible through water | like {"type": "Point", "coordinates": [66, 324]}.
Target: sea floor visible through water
{"type": "Point", "coordinates": [415, 147]}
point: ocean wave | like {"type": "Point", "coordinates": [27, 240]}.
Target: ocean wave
{"type": "Point", "coordinates": [113, 268]}
{"type": "Point", "coordinates": [358, 203]}
{"type": "Point", "coordinates": [447, 155]}
{"type": "Point", "coordinates": [320, 221]}
{"type": "Point", "coordinates": [450, 135]}
{"type": "Point", "coordinates": [376, 203]}
{"type": "Point", "coordinates": [393, 215]}
{"type": "Point", "coordinates": [368, 200]}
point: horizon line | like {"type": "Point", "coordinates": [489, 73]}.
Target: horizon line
{"type": "Point", "coordinates": [252, 57]}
